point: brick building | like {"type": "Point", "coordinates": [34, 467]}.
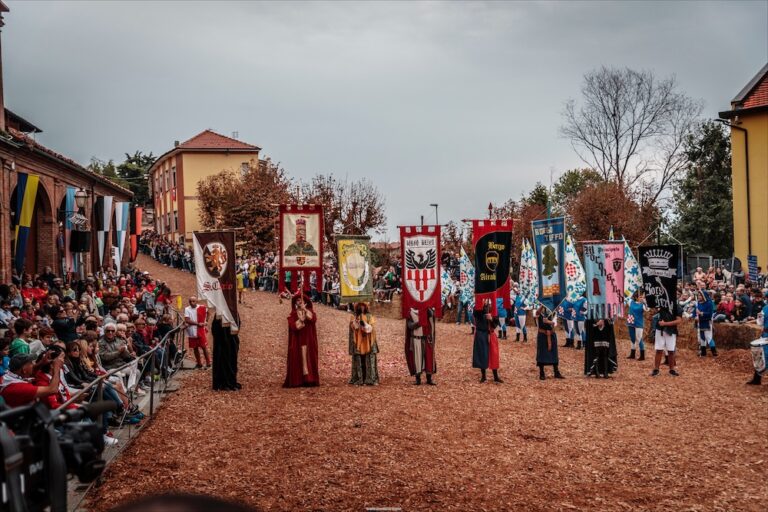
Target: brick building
{"type": "Point", "coordinates": [20, 153]}
{"type": "Point", "coordinates": [175, 174]}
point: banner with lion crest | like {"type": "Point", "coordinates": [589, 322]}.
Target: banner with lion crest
{"type": "Point", "coordinates": [420, 253]}
{"type": "Point", "coordinates": [215, 273]}
{"type": "Point", "coordinates": [355, 269]}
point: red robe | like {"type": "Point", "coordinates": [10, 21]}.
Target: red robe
{"type": "Point", "coordinates": [298, 338]}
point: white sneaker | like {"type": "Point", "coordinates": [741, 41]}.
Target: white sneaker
{"type": "Point", "coordinates": [110, 441]}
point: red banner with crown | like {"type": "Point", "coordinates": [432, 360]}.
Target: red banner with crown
{"type": "Point", "coordinates": [301, 244]}
{"type": "Point", "coordinates": [420, 256]}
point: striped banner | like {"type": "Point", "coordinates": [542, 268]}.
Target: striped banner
{"type": "Point", "coordinates": [122, 210]}
{"type": "Point", "coordinates": [136, 213]}
{"type": "Point", "coordinates": [103, 215]}
{"type": "Point", "coordinates": [26, 192]}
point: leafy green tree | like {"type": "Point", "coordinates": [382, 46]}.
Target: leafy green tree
{"type": "Point", "coordinates": [703, 197]}
{"type": "Point", "coordinates": [107, 169]}
{"type": "Point", "coordinates": [134, 171]}
{"type": "Point", "coordinates": [571, 184]}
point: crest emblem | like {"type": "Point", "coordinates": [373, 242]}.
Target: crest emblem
{"type": "Point", "coordinates": [421, 272]}
{"type": "Point", "coordinates": [355, 270]}
{"type": "Point", "coordinates": [492, 260]}
{"type": "Point", "coordinates": [300, 260]}
{"type": "Point", "coordinates": [216, 257]}
{"type": "Point", "coordinates": [617, 263]}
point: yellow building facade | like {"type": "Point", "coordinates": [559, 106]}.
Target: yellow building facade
{"type": "Point", "coordinates": [175, 175]}
{"type": "Point", "coordinates": [748, 118]}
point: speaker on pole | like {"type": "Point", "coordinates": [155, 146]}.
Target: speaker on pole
{"type": "Point", "coordinates": [80, 241]}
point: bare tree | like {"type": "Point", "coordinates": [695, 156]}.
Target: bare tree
{"type": "Point", "coordinates": [630, 127]}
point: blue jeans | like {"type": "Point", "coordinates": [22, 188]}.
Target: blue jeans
{"type": "Point", "coordinates": [463, 309]}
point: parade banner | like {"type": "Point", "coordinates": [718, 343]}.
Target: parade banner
{"type": "Point", "coordinates": [26, 193]}
{"type": "Point", "coordinates": [447, 286]}
{"type": "Point", "coordinates": [420, 254]}
{"type": "Point", "coordinates": [466, 280]}
{"type": "Point", "coordinates": [355, 269]}
{"type": "Point", "coordinates": [71, 263]}
{"type": "Point", "coordinates": [752, 267]}
{"type": "Point", "coordinates": [575, 279]}
{"type": "Point", "coordinates": [103, 214]}
{"type": "Point", "coordinates": [493, 251]}
{"type": "Point", "coordinates": [633, 280]}
{"type": "Point", "coordinates": [529, 277]}
{"type": "Point", "coordinates": [549, 241]}
{"type": "Point", "coordinates": [604, 265]}
{"type": "Point", "coordinates": [215, 273]}
{"type": "Point", "coordinates": [136, 214]}
{"type": "Point", "coordinates": [122, 210]}
{"type": "Point", "coordinates": [658, 264]}
{"type": "Point", "coordinates": [301, 243]}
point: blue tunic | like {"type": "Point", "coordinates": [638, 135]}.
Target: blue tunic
{"type": "Point", "coordinates": [500, 308]}
{"type": "Point", "coordinates": [580, 306]}
{"type": "Point", "coordinates": [705, 311]}
{"type": "Point", "coordinates": [519, 306]}
{"type": "Point", "coordinates": [567, 310]}
{"type": "Point", "coordinates": [636, 312]}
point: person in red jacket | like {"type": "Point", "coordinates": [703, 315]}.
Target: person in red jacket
{"type": "Point", "coordinates": [18, 388]}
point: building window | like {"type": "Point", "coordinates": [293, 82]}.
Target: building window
{"type": "Point", "coordinates": [176, 220]}
{"type": "Point", "coordinates": [173, 176]}
{"type": "Point", "coordinates": [167, 221]}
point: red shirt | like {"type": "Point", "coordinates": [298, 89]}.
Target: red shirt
{"type": "Point", "coordinates": [55, 400]}
{"type": "Point", "coordinates": [19, 393]}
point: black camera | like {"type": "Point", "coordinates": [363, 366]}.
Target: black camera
{"type": "Point", "coordinates": [41, 447]}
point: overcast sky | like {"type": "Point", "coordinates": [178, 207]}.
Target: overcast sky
{"type": "Point", "coordinates": [450, 103]}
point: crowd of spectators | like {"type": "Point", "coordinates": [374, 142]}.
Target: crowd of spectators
{"type": "Point", "coordinates": [58, 336]}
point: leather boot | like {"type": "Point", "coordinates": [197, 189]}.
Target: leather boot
{"type": "Point", "coordinates": [525, 336]}
{"type": "Point", "coordinates": [568, 342]}
{"type": "Point", "coordinates": [703, 351]}
{"type": "Point", "coordinates": [714, 350]}
{"type": "Point", "coordinates": [496, 377]}
{"type": "Point", "coordinates": [756, 380]}
{"type": "Point", "coordinates": [631, 354]}
{"type": "Point", "coordinates": [517, 337]}
{"type": "Point", "coordinates": [541, 373]}
{"type": "Point", "coordinates": [418, 379]}
{"type": "Point", "coordinates": [558, 375]}
{"type": "Point", "coordinates": [482, 376]}
{"type": "Point", "coordinates": [429, 380]}
{"type": "Point", "coordinates": [642, 356]}
{"type": "Point", "coordinates": [578, 345]}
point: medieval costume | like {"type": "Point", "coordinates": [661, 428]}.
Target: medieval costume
{"type": "Point", "coordinates": [580, 312]}
{"type": "Point", "coordinates": [302, 344]}
{"type": "Point", "coordinates": [705, 310]}
{"type": "Point", "coordinates": [363, 347]}
{"type": "Point", "coordinates": [226, 346]}
{"type": "Point", "coordinates": [520, 318]}
{"type": "Point", "coordinates": [420, 344]}
{"type": "Point", "coordinates": [635, 324]}
{"type": "Point", "coordinates": [600, 356]}
{"type": "Point", "coordinates": [485, 351]}
{"type": "Point", "coordinates": [546, 344]}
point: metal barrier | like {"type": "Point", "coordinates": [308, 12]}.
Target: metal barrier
{"type": "Point", "coordinates": [95, 389]}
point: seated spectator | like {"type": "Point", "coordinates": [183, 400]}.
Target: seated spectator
{"type": "Point", "coordinates": [22, 328]}
{"type": "Point", "coordinates": [18, 388]}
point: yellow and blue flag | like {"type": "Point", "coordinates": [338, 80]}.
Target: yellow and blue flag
{"type": "Point", "coordinates": [26, 192]}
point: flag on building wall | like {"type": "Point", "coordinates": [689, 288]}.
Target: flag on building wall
{"type": "Point", "coordinates": [604, 265]}
{"type": "Point", "coordinates": [466, 280]}
{"type": "Point", "coordinates": [215, 272]}
{"type": "Point", "coordinates": [493, 252]}
{"type": "Point", "coordinates": [549, 243]}
{"type": "Point", "coordinates": [71, 262]}
{"type": "Point", "coordinates": [355, 269]}
{"type": "Point", "coordinates": [135, 222]}
{"type": "Point", "coordinates": [633, 279]}
{"type": "Point", "coordinates": [121, 228]}
{"type": "Point", "coordinates": [420, 254]}
{"type": "Point", "coordinates": [103, 215]}
{"type": "Point", "coordinates": [576, 281]}
{"type": "Point", "coordinates": [26, 192]}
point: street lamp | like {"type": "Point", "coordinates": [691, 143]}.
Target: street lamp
{"type": "Point", "coordinates": [80, 198]}
{"type": "Point", "coordinates": [434, 205]}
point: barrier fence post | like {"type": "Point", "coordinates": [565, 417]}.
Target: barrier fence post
{"type": "Point", "coordinates": [152, 383]}
{"type": "Point", "coordinates": [100, 397]}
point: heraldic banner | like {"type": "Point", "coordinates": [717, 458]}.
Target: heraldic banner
{"type": "Point", "coordinates": [493, 250]}
{"type": "Point", "coordinates": [215, 272]}
{"type": "Point", "coordinates": [658, 264]}
{"type": "Point", "coordinates": [103, 213]}
{"type": "Point", "coordinates": [549, 243]}
{"type": "Point", "coordinates": [355, 268]}
{"type": "Point", "coordinates": [135, 230]}
{"type": "Point", "coordinates": [420, 254]}
{"type": "Point", "coordinates": [604, 266]}
{"type": "Point", "coordinates": [301, 243]}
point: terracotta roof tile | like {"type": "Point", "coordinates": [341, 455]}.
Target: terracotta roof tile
{"type": "Point", "coordinates": [209, 139]}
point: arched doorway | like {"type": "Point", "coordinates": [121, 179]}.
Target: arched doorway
{"type": "Point", "coordinates": [41, 244]}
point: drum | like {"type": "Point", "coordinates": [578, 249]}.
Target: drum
{"type": "Point", "coordinates": [759, 350]}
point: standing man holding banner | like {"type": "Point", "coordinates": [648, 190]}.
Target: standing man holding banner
{"type": "Point", "coordinates": [493, 249]}
{"type": "Point", "coordinates": [216, 283]}
{"type": "Point", "coordinates": [659, 266]}
{"type": "Point", "coordinates": [422, 299]}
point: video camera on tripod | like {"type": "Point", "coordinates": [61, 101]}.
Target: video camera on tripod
{"type": "Point", "coordinates": [40, 447]}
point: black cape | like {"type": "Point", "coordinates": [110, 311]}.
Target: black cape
{"type": "Point", "coordinates": [225, 349]}
{"type": "Point", "coordinates": [590, 354]}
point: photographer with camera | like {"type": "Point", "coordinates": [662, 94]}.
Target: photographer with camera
{"type": "Point", "coordinates": [18, 389]}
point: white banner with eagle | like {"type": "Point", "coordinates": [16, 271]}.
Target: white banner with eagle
{"type": "Point", "coordinates": [420, 253]}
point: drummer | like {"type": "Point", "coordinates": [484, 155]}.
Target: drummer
{"type": "Point", "coordinates": [762, 320]}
